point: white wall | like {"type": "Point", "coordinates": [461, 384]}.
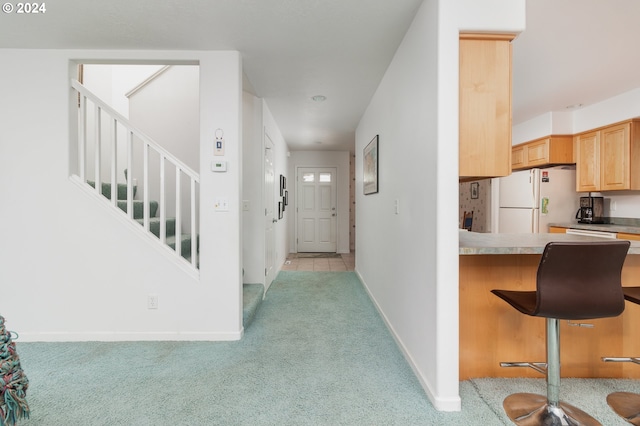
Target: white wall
{"type": "Point", "coordinates": [257, 120]}
{"type": "Point", "coordinates": [281, 168]}
{"type": "Point", "coordinates": [338, 159]}
{"type": "Point", "coordinates": [550, 123]}
{"type": "Point", "coordinates": [408, 261]}
{"type": "Point", "coordinates": [111, 82]}
{"type": "Point", "coordinates": [396, 255]}
{"type": "Point", "coordinates": [167, 109]}
{"type": "Point", "coordinates": [253, 251]}
{"type": "Point", "coordinates": [73, 271]}
{"type": "Point", "coordinates": [609, 111]}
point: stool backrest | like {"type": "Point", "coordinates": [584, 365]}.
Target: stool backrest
{"type": "Point", "coordinates": [581, 280]}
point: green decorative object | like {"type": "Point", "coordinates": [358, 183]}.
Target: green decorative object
{"type": "Point", "coordinates": [13, 382]}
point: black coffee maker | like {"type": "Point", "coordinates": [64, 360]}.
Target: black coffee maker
{"type": "Point", "coordinates": [591, 210]}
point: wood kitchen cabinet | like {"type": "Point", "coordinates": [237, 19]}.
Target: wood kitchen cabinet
{"type": "Point", "coordinates": [557, 230]}
{"type": "Point", "coordinates": [485, 106]}
{"type": "Point", "coordinates": [552, 150]}
{"type": "Point", "coordinates": [627, 236]}
{"type": "Point", "coordinates": [587, 147]}
{"type": "Point", "coordinates": [608, 158]}
{"type": "Point", "coordinates": [615, 156]}
{"type": "Point", "coordinates": [518, 157]}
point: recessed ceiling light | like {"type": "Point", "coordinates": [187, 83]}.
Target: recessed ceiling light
{"type": "Point", "coordinates": [319, 98]}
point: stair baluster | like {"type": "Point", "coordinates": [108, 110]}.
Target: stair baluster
{"type": "Point", "coordinates": [178, 213]}
{"type": "Point", "coordinates": [98, 148]}
{"type": "Point", "coordinates": [163, 209]}
{"type": "Point", "coordinates": [168, 231]}
{"type": "Point", "coordinates": [114, 162]}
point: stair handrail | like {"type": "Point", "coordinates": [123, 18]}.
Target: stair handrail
{"type": "Point", "coordinates": [148, 143]}
{"type": "Point", "coordinates": [139, 133]}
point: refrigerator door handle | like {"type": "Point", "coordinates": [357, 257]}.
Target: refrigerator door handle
{"type": "Point", "coordinates": [535, 221]}
{"type": "Point", "coordinates": [534, 180]}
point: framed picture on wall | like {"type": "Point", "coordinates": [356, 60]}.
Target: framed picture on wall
{"type": "Point", "coordinates": [282, 185]}
{"type": "Point", "coordinates": [370, 167]}
{"type": "Point", "coordinates": [474, 190]}
{"type": "Point", "coordinates": [286, 198]}
{"type": "Point", "coordinates": [280, 210]}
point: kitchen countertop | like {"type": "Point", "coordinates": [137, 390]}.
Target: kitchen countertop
{"type": "Point", "coordinates": [471, 243]}
{"type": "Point", "coordinates": [605, 227]}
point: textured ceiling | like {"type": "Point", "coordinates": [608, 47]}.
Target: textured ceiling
{"type": "Point", "coordinates": [572, 52]}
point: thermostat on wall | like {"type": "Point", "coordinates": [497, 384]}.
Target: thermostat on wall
{"type": "Point", "coordinates": [219, 166]}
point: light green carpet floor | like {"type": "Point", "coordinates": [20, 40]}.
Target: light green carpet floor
{"type": "Point", "coordinates": [317, 353]}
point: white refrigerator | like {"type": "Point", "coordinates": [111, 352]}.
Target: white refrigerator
{"type": "Point", "coordinates": [531, 199]}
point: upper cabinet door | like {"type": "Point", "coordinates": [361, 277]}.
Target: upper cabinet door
{"type": "Point", "coordinates": [614, 157]}
{"type": "Point", "coordinates": [485, 105]}
{"type": "Point", "coordinates": [588, 162]}
{"type": "Point", "coordinates": [518, 157]}
{"type": "Point", "coordinates": [608, 158]}
{"type": "Point", "coordinates": [554, 149]}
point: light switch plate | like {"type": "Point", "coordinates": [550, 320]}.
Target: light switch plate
{"type": "Point", "coordinates": [222, 205]}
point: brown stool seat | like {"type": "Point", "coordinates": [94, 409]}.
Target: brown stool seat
{"type": "Point", "coordinates": [575, 280]}
{"type": "Point", "coordinates": [627, 404]}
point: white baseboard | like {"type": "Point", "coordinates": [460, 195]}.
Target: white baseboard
{"type": "Point", "coordinates": [129, 336]}
{"type": "Point", "coordinates": [440, 404]}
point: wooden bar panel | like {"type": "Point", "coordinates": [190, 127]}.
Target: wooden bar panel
{"type": "Point", "coordinates": [491, 331]}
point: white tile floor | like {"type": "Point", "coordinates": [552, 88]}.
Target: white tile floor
{"type": "Point", "coordinates": [346, 262]}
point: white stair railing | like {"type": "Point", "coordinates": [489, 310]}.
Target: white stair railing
{"type": "Point", "coordinates": [143, 160]}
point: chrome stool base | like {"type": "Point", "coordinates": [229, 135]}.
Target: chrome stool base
{"type": "Point", "coordinates": [626, 405]}
{"type": "Point", "coordinates": [530, 409]}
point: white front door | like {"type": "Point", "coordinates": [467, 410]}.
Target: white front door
{"type": "Point", "coordinates": [316, 203]}
{"type": "Point", "coordinates": [269, 212]}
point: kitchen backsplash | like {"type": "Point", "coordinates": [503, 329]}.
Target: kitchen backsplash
{"type": "Point", "coordinates": [480, 205]}
{"type": "Point", "coordinates": [622, 204]}
{"type": "Point", "coordinates": [624, 221]}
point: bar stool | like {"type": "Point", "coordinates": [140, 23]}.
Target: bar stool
{"type": "Point", "coordinates": [575, 281]}
{"type": "Point", "coordinates": [626, 404]}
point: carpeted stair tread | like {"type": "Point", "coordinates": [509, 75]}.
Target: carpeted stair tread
{"type": "Point", "coordinates": [154, 221]}
{"type": "Point", "coordinates": [138, 208]}
{"type": "Point", "coordinates": [106, 189]}
{"type": "Point", "coordinates": [154, 226]}
{"type": "Point", "coordinates": [185, 244]}
{"type": "Point", "coordinates": [252, 295]}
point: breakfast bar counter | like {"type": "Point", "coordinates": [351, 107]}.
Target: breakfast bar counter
{"type": "Point", "coordinates": [492, 332]}
{"type": "Point", "coordinates": [473, 243]}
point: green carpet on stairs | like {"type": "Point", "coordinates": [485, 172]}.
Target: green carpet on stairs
{"type": "Point", "coordinates": [154, 221]}
{"type": "Point", "coordinates": [121, 191]}
{"type": "Point", "coordinates": [252, 295]}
